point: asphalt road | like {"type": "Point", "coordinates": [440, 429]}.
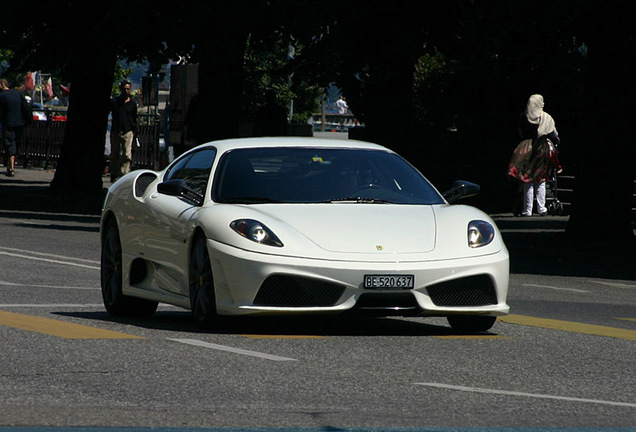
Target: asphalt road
{"type": "Point", "coordinates": [563, 358]}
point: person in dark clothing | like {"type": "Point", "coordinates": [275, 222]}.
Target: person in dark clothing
{"type": "Point", "coordinates": [123, 131]}
{"type": "Point", "coordinates": [12, 123]}
{"type": "Point", "coordinates": [271, 118]}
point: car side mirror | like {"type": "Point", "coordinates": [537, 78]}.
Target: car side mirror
{"type": "Point", "coordinates": [461, 189]}
{"type": "Point", "coordinates": [179, 188]}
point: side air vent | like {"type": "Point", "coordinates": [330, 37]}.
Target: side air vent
{"type": "Point", "coordinates": [142, 183]}
{"type": "Point", "coordinates": [138, 271]}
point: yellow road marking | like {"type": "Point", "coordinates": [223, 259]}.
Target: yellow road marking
{"type": "Point", "coordinates": [570, 326]}
{"type": "Point", "coordinates": [627, 319]}
{"type": "Point", "coordinates": [59, 328]}
{"type": "Point", "coordinates": [257, 336]}
{"type": "Point", "coordinates": [254, 336]}
{"type": "Point", "coordinates": [484, 336]}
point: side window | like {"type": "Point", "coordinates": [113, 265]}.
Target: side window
{"type": "Point", "coordinates": [174, 172]}
{"type": "Point", "coordinates": [194, 169]}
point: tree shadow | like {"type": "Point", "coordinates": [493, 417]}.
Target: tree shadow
{"type": "Point", "coordinates": [540, 245]}
{"type": "Point", "coordinates": [37, 196]}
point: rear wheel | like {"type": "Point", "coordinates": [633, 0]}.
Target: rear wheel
{"type": "Point", "coordinates": [116, 303]}
{"type": "Point", "coordinates": [202, 299]}
{"type": "Point", "coordinates": [471, 323]}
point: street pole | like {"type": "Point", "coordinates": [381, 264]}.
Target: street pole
{"type": "Point", "coordinates": [323, 113]}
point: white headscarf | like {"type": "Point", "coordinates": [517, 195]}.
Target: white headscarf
{"type": "Point", "coordinates": [536, 115]}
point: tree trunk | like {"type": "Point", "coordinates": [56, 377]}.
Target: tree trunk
{"type": "Point", "coordinates": [81, 162]}
{"type": "Point", "coordinates": [221, 72]}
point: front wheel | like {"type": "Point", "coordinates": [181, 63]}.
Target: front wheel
{"type": "Point", "coordinates": [116, 303]}
{"type": "Point", "coordinates": [471, 323]}
{"type": "Point", "coordinates": [202, 299]}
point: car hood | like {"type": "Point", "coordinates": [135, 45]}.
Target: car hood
{"type": "Point", "coordinates": [361, 228]}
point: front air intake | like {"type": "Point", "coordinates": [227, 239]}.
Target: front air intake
{"type": "Point", "coordinates": [477, 290]}
{"type": "Point", "coordinates": [297, 291]}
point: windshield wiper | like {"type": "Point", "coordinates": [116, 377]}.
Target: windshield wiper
{"type": "Point", "coordinates": [359, 200]}
{"type": "Point", "coordinates": [250, 200]}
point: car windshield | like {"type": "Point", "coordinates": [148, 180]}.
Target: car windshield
{"type": "Point", "coordinates": [319, 175]}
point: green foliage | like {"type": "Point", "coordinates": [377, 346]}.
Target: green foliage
{"type": "Point", "coordinates": [5, 58]}
{"type": "Point", "coordinates": [121, 73]}
{"type": "Point", "coordinates": [429, 89]}
{"type": "Point", "coordinates": [267, 67]}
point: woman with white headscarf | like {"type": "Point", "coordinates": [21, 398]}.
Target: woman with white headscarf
{"type": "Point", "coordinates": [533, 157]}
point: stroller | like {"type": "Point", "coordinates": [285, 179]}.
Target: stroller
{"type": "Point", "coordinates": [552, 203]}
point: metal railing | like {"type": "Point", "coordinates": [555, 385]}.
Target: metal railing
{"type": "Point", "coordinates": [333, 122]}
{"type": "Point", "coordinates": [42, 142]}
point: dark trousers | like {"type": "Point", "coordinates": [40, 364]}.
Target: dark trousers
{"type": "Point", "coordinates": [11, 138]}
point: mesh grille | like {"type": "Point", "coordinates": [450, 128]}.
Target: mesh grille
{"type": "Point", "coordinates": [142, 183]}
{"type": "Point", "coordinates": [469, 291]}
{"type": "Point", "coordinates": [295, 291]}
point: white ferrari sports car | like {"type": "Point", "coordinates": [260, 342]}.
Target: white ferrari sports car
{"type": "Point", "coordinates": [299, 226]}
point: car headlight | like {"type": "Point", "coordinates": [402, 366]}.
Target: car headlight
{"type": "Point", "coordinates": [255, 231]}
{"type": "Point", "coordinates": [480, 233]}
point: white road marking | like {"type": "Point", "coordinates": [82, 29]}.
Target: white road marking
{"type": "Point", "coordinates": [232, 350]}
{"type": "Point", "coordinates": [615, 284]}
{"type": "Point", "coordinates": [45, 286]}
{"type": "Point", "coordinates": [31, 222]}
{"type": "Point", "coordinates": [48, 254]}
{"type": "Point", "coordinates": [534, 395]}
{"type": "Point", "coordinates": [76, 262]}
{"type": "Point", "coordinates": [555, 288]}
{"type": "Point", "coordinates": [56, 305]}
{"type": "Point", "coordinates": [84, 216]}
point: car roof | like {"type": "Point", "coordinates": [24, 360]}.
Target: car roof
{"type": "Point", "coordinates": [238, 143]}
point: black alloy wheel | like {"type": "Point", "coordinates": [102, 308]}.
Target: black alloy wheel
{"type": "Point", "coordinates": [202, 298]}
{"type": "Point", "coordinates": [116, 303]}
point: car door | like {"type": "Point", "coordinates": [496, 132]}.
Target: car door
{"type": "Point", "coordinates": [168, 221]}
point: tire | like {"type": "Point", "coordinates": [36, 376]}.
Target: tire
{"type": "Point", "coordinates": [201, 280]}
{"type": "Point", "coordinates": [116, 303]}
{"type": "Point", "coordinates": [471, 323]}
{"type": "Point", "coordinates": [551, 209]}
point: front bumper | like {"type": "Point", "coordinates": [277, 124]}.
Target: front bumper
{"type": "Point", "coordinates": [254, 283]}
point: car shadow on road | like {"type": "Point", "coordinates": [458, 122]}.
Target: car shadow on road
{"type": "Point", "coordinates": [298, 326]}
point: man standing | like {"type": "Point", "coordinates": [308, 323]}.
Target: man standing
{"type": "Point", "coordinates": [12, 123]}
{"type": "Point", "coordinates": [123, 130]}
{"type": "Point", "coordinates": [341, 105]}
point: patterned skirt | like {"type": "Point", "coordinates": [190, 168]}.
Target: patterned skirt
{"type": "Point", "coordinates": [530, 161]}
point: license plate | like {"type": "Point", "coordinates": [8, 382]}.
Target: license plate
{"type": "Point", "coordinates": [389, 281]}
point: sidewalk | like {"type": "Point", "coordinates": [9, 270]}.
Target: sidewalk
{"type": "Point", "coordinates": [537, 245]}
{"type": "Point", "coordinates": [29, 191]}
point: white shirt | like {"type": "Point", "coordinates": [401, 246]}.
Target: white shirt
{"type": "Point", "coordinates": [342, 106]}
